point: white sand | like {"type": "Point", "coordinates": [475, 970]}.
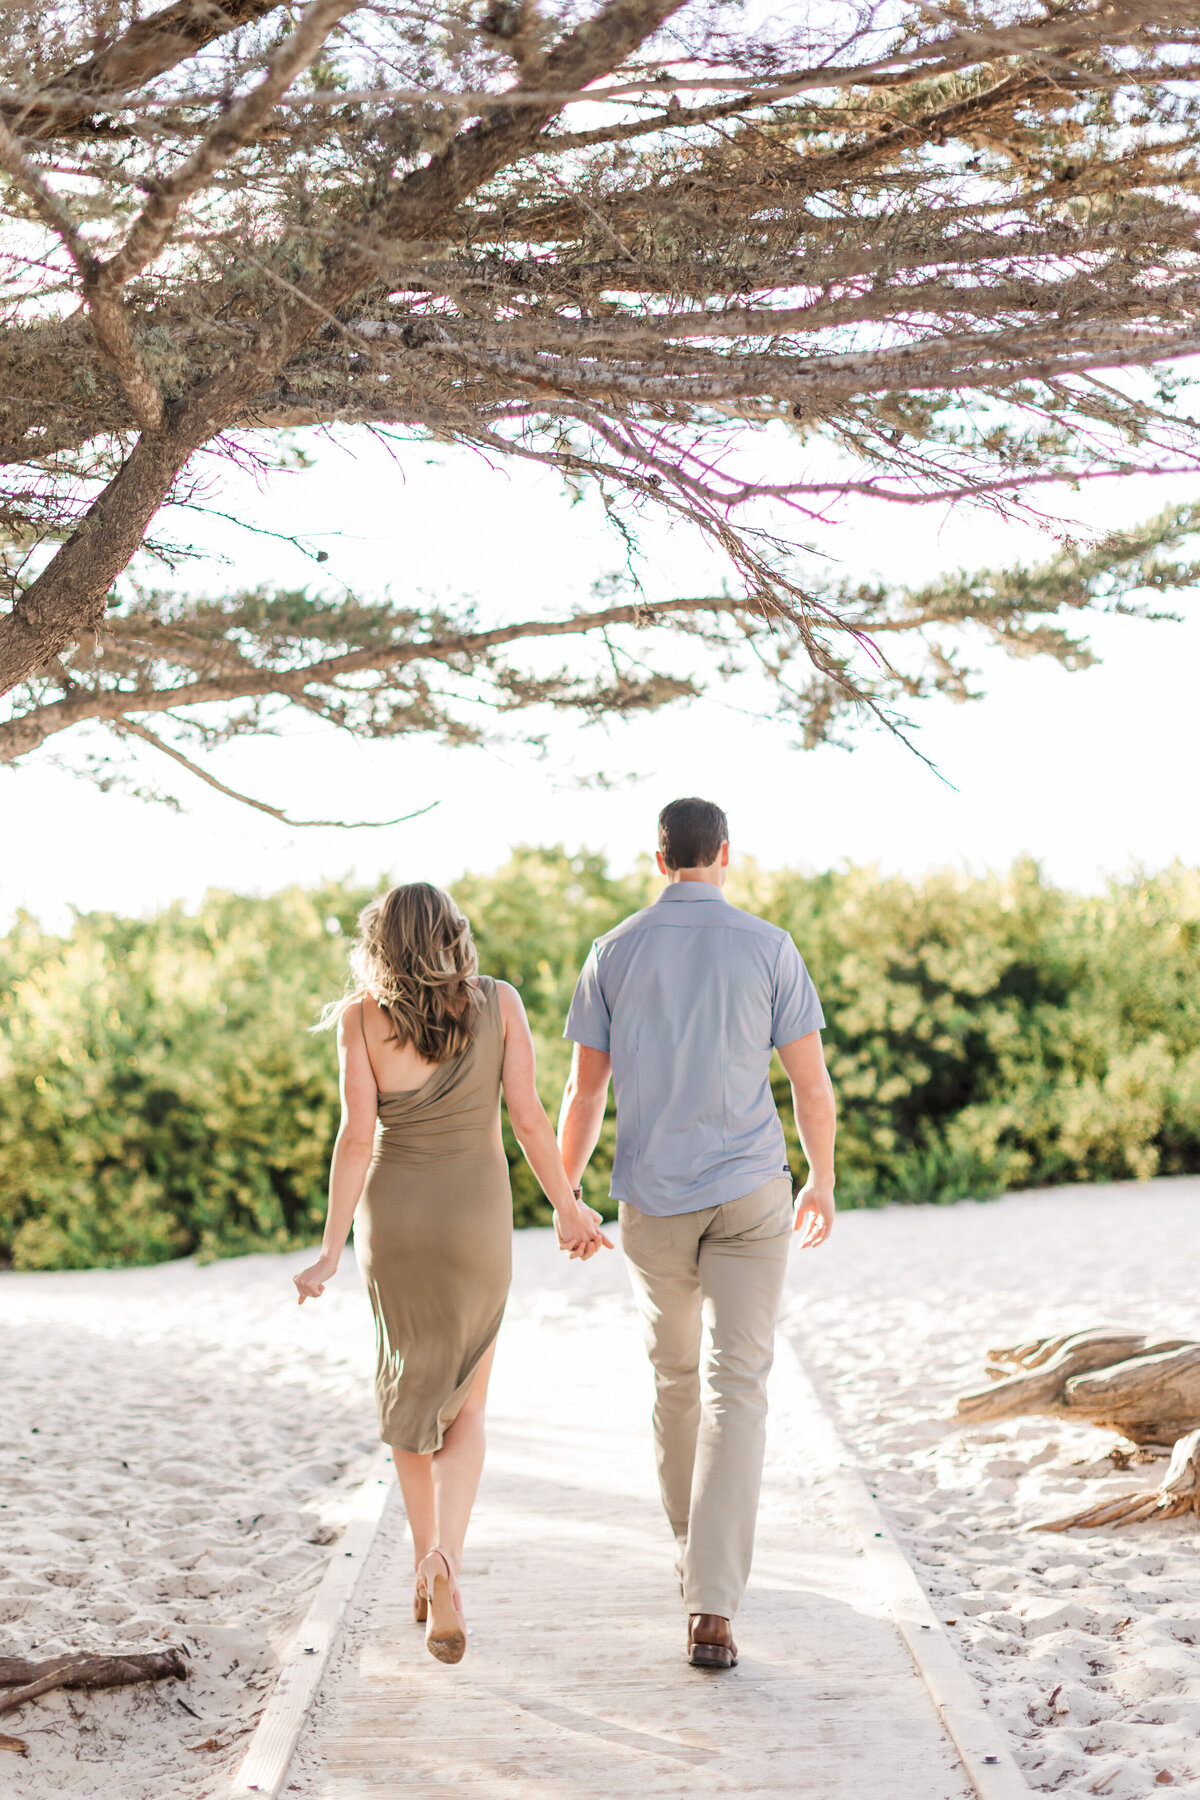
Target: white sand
{"type": "Point", "coordinates": [1086, 1645]}
{"type": "Point", "coordinates": [175, 1438]}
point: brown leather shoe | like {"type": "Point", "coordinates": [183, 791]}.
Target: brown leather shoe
{"type": "Point", "coordinates": [710, 1642]}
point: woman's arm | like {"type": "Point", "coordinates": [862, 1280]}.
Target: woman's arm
{"type": "Point", "coordinates": [577, 1225]}
{"type": "Point", "coordinates": [351, 1153]}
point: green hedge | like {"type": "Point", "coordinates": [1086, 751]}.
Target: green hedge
{"type": "Point", "coordinates": [159, 1093]}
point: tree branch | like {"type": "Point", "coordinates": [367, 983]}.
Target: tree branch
{"type": "Point", "coordinates": [430, 194]}
{"type": "Point", "coordinates": [110, 322]}
{"type": "Point", "coordinates": [49, 207]}
{"type": "Point", "coordinates": [152, 227]}
{"type": "Point", "coordinates": [1050, 40]}
{"type": "Point", "coordinates": [20, 735]}
{"type": "Point", "coordinates": [130, 728]}
{"type": "Point", "coordinates": [70, 103]}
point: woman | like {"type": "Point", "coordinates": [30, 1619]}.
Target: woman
{"type": "Point", "coordinates": [425, 1045]}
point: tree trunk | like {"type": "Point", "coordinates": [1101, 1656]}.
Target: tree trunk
{"type": "Point", "coordinates": [71, 593]}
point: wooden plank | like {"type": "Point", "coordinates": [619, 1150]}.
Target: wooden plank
{"type": "Point", "coordinates": [352, 1726]}
{"type": "Point", "coordinates": [358, 1689]}
{"type": "Point", "coordinates": [265, 1763]}
{"type": "Point", "coordinates": [349, 1783]}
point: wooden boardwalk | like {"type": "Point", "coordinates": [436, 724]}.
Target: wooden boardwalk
{"type": "Point", "coordinates": [574, 1683]}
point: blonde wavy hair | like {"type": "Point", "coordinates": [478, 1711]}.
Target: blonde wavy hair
{"type": "Point", "coordinates": [414, 955]}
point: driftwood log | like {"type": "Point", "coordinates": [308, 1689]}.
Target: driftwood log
{"type": "Point", "coordinates": [81, 1669]}
{"type": "Point", "coordinates": [1178, 1493]}
{"type": "Point", "coordinates": [1144, 1386]}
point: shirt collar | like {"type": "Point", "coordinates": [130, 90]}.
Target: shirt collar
{"type": "Point", "coordinates": [690, 891]}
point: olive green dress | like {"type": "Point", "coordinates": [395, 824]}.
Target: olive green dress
{"type": "Point", "coordinates": [433, 1236]}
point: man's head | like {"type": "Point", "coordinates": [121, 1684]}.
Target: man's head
{"type": "Point", "coordinates": [693, 841]}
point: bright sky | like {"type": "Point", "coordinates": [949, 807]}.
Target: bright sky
{"type": "Point", "coordinates": [1093, 773]}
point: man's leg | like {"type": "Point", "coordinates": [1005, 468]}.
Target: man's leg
{"type": "Point", "coordinates": [742, 1261]}
{"type": "Point", "coordinates": [662, 1258]}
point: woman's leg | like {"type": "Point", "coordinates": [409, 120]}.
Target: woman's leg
{"type": "Point", "coordinates": [416, 1484]}
{"type": "Point", "coordinates": [439, 1490]}
{"type": "Point", "coordinates": [458, 1465]}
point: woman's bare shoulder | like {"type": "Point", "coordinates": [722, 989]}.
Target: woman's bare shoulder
{"type": "Point", "coordinates": [349, 1013]}
{"type": "Point", "coordinates": [351, 1023]}
{"type": "Point", "coordinates": [355, 1013]}
{"type": "Point", "coordinates": [510, 1000]}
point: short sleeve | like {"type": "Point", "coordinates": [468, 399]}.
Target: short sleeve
{"type": "Point", "coordinates": [589, 1021]}
{"type": "Point", "coordinates": [795, 1008]}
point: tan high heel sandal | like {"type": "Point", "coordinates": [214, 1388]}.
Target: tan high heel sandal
{"type": "Point", "coordinates": [420, 1602]}
{"type": "Point", "coordinates": [445, 1628]}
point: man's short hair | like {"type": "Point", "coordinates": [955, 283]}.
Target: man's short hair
{"type": "Point", "coordinates": [690, 833]}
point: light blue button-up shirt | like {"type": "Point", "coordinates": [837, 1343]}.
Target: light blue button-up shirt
{"type": "Point", "coordinates": [688, 997]}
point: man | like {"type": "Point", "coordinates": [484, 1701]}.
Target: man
{"type": "Point", "coordinates": [682, 1004]}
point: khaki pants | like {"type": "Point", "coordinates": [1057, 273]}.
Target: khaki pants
{"type": "Point", "coordinates": [708, 1286]}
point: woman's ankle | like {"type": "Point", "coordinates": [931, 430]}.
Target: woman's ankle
{"type": "Point", "coordinates": [452, 1557]}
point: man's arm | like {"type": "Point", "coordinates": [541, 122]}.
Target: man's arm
{"type": "Point", "coordinates": [816, 1121]}
{"type": "Point", "coordinates": [577, 1226]}
{"type": "Point", "coordinates": [582, 1114]}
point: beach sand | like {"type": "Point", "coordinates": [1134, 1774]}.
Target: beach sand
{"type": "Point", "coordinates": [178, 1444]}
{"type": "Point", "coordinates": [1086, 1645]}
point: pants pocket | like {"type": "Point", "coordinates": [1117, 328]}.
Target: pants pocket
{"type": "Point", "coordinates": [766, 1213]}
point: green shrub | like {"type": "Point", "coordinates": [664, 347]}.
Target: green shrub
{"type": "Point", "coordinates": [998, 1032]}
{"type": "Point", "coordinates": [160, 1093]}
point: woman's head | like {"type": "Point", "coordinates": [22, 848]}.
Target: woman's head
{"type": "Point", "coordinates": [414, 955]}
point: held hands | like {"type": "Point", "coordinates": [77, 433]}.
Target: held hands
{"type": "Point", "coordinates": [578, 1231]}
{"type": "Point", "coordinates": [814, 1215]}
{"type": "Point", "coordinates": [310, 1283]}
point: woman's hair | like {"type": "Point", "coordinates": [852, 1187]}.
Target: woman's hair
{"type": "Point", "coordinates": [414, 955]}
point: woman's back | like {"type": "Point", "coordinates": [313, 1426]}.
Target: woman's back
{"type": "Point", "coordinates": [398, 1068]}
{"type": "Point", "coordinates": [446, 1112]}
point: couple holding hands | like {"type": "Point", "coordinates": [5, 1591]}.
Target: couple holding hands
{"type": "Point", "coordinates": [680, 1006]}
